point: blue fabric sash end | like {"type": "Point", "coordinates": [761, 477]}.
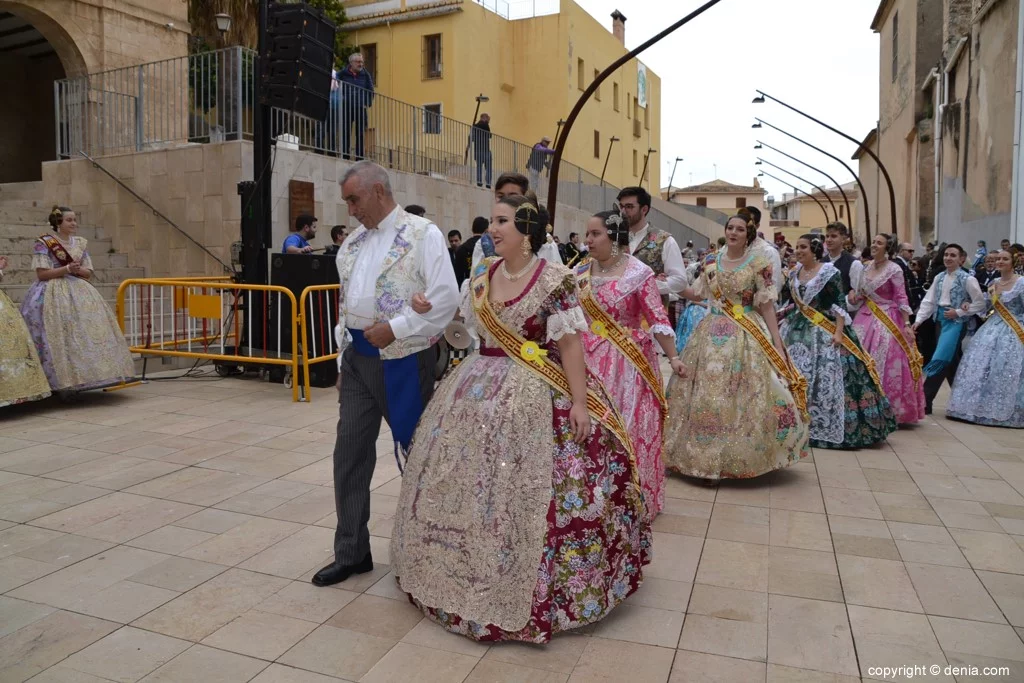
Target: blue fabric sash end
{"type": "Point", "coordinates": [949, 338]}
{"type": "Point", "coordinates": [401, 392]}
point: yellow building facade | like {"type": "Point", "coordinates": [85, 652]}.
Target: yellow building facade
{"type": "Point", "coordinates": [800, 214]}
{"type": "Point", "coordinates": [443, 54]}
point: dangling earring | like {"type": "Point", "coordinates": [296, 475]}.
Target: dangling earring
{"type": "Point", "coordinates": [615, 250]}
{"type": "Point", "coordinates": [527, 251]}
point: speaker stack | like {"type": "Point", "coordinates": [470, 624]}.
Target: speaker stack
{"type": "Point", "coordinates": [301, 58]}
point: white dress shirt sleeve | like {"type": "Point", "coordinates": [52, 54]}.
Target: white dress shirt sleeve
{"type": "Point", "coordinates": [675, 270]}
{"type": "Point", "coordinates": [856, 270]}
{"type": "Point", "coordinates": [442, 291]}
{"type": "Point", "coordinates": [478, 256]}
{"type": "Point", "coordinates": [928, 304]}
{"type": "Point", "coordinates": [978, 303]}
{"type": "Point", "coordinates": [776, 259]}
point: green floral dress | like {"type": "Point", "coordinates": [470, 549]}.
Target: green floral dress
{"type": "Point", "coordinates": [847, 409]}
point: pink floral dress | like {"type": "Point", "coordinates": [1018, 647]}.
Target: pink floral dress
{"type": "Point", "coordinates": [632, 300]}
{"type": "Point", "coordinates": [506, 529]}
{"type": "Point", "coordinates": [885, 288]}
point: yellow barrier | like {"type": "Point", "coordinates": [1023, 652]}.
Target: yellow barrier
{"type": "Point", "coordinates": [188, 302]}
{"type": "Point", "coordinates": [318, 315]}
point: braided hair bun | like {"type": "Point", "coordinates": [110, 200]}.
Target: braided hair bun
{"type": "Point", "coordinates": [56, 216]}
{"type": "Point", "coordinates": [817, 244]}
{"type": "Point", "coordinates": [747, 218]}
{"type": "Point", "coordinates": [529, 220]}
{"type": "Point", "coordinates": [616, 225]}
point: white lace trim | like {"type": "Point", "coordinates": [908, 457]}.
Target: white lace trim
{"type": "Point", "coordinates": [764, 296]}
{"type": "Point", "coordinates": [663, 329]}
{"type": "Point", "coordinates": [566, 322]}
{"type": "Point", "coordinates": [814, 286]}
{"type": "Point", "coordinates": [840, 312]}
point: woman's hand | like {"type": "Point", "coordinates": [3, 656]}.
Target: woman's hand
{"type": "Point", "coordinates": [854, 297]}
{"type": "Point", "coordinates": [579, 419]}
{"type": "Point", "coordinates": [678, 366]}
{"type": "Point", "coordinates": [74, 268]}
{"type": "Point", "coordinates": [910, 330]}
{"type": "Point", "coordinates": [420, 304]}
{"type": "Point", "coordinates": [837, 338]}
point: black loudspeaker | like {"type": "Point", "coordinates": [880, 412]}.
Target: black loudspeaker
{"type": "Point", "coordinates": [295, 272]}
{"type": "Point", "coordinates": [298, 75]}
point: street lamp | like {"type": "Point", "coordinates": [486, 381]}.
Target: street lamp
{"type": "Point", "coordinates": [860, 146]}
{"type": "Point", "coordinates": [592, 88]}
{"type": "Point", "coordinates": [797, 189]}
{"type": "Point", "coordinates": [863, 192]}
{"type": "Point", "coordinates": [647, 158]}
{"type": "Point", "coordinates": [804, 180]}
{"type": "Point", "coordinates": [479, 98]}
{"type": "Point", "coordinates": [849, 215]}
{"type": "Point", "coordinates": [611, 141]}
{"type": "Point", "coordinates": [223, 22]}
{"type": "Point", "coordinates": [668, 196]}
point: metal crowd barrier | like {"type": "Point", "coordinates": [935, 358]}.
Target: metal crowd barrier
{"type": "Point", "coordinates": [203, 319]}
{"type": "Point", "coordinates": [318, 306]}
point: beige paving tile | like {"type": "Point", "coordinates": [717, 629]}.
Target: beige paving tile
{"type": "Point", "coordinates": [676, 559]}
{"type": "Point", "coordinates": [211, 605]}
{"type": "Point", "coordinates": [126, 655]}
{"type": "Point", "coordinates": [886, 638]}
{"type": "Point", "coordinates": [850, 503]}
{"type": "Point", "coordinates": [388, 587]}
{"type": "Point", "coordinates": [170, 539]}
{"type": "Point", "coordinates": [788, 674]}
{"type": "Point", "coordinates": [726, 637]}
{"type": "Point", "coordinates": [260, 634]}
{"type": "Point", "coordinates": [560, 655]}
{"type": "Point", "coordinates": [66, 550]}
{"type": "Point", "coordinates": [942, 486]}
{"type": "Point", "coordinates": [873, 582]}
{"type": "Point", "coordinates": [71, 585]}
{"type": "Point", "coordinates": [17, 539]}
{"type": "Point", "coordinates": [279, 673]}
{"type": "Point", "coordinates": [662, 594]}
{"type": "Point", "coordinates": [804, 573]}
{"type": "Point", "coordinates": [138, 521]}
{"type": "Point", "coordinates": [429, 635]}
{"type": "Point", "coordinates": [15, 614]}
{"type": "Point", "coordinates": [741, 523]}
{"type": "Point", "coordinates": [990, 551]}
{"type": "Point", "coordinates": [214, 521]}
{"type": "Point", "coordinates": [62, 674]}
{"type": "Point", "coordinates": [729, 603]}
{"type": "Point", "coordinates": [858, 526]}
{"type": "Point", "coordinates": [614, 660]}
{"type": "Point", "coordinates": [412, 662]}
{"type": "Point", "coordinates": [308, 548]}
{"type": "Point", "coordinates": [806, 530]}
{"type": "Point", "coordinates": [802, 498]}
{"type": "Point", "coordinates": [377, 616]}
{"type": "Point", "coordinates": [921, 533]}
{"type": "Point", "coordinates": [123, 601]}
{"type": "Point", "coordinates": [78, 517]}
{"type": "Point", "coordinates": [96, 468]}
{"type": "Point", "coordinates": [242, 542]}
{"type": "Point", "coordinates": [200, 663]}
{"type": "Point", "coordinates": [1008, 592]}
{"type": "Point", "coordinates": [992, 490]}
{"type": "Point", "coordinates": [734, 565]}
{"type": "Point", "coordinates": [750, 492]}
{"type": "Point", "coordinates": [43, 459]}
{"type": "Point", "coordinates": [865, 546]}
{"type": "Point", "coordinates": [976, 638]}
{"type": "Point", "coordinates": [843, 477]}
{"type": "Point", "coordinates": [638, 624]}
{"type": "Point", "coordinates": [953, 592]}
{"type": "Point", "coordinates": [680, 524]}
{"type": "Point", "coordinates": [931, 553]}
{"type": "Point", "coordinates": [890, 481]}
{"type": "Point", "coordinates": [699, 667]}
{"type": "Point", "coordinates": [302, 600]}
{"type": "Point", "coordinates": [17, 571]}
{"type": "Point", "coordinates": [338, 652]}
{"type": "Point", "coordinates": [810, 634]}
{"type": "Point", "coordinates": [47, 641]}
{"type": "Point", "coordinates": [178, 574]}
{"type": "Point", "coordinates": [487, 671]}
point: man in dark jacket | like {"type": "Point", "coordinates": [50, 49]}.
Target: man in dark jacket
{"type": "Point", "coordinates": [356, 97]}
{"type": "Point", "coordinates": [464, 254]}
{"type": "Point", "coordinates": [482, 149]}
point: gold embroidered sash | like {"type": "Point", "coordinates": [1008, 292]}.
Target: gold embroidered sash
{"type": "Point", "coordinates": [1007, 317]}
{"type": "Point", "coordinates": [797, 383]}
{"type": "Point", "coordinates": [58, 251]}
{"type": "Point", "coordinates": [913, 355]}
{"type": "Point", "coordinates": [529, 355]}
{"type": "Point", "coordinates": [819, 319]}
{"type": "Point", "coordinates": [605, 326]}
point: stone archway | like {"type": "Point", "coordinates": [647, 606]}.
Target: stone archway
{"type": "Point", "coordinates": [35, 51]}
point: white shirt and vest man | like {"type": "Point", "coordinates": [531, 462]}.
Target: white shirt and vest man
{"type": "Point", "coordinates": [655, 248]}
{"type": "Point", "coordinates": [387, 352]}
{"type": "Point", "coordinates": [953, 298]}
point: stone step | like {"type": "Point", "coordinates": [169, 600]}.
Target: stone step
{"type": "Point", "coordinates": [32, 190]}
{"type": "Point", "coordinates": [35, 229]}
{"type": "Point", "coordinates": [19, 255]}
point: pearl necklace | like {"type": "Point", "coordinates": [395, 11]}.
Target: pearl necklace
{"type": "Point", "coordinates": [618, 262]}
{"type": "Point", "coordinates": [512, 277]}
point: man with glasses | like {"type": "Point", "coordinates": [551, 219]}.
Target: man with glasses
{"type": "Point", "coordinates": [654, 247]}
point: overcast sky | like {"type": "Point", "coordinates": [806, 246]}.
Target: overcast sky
{"type": "Point", "coordinates": [818, 55]}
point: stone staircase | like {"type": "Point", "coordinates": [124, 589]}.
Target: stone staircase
{"type": "Point", "coordinates": [23, 213]}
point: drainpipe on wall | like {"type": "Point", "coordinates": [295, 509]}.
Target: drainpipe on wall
{"type": "Point", "coordinates": [1017, 210]}
{"type": "Point", "coordinates": [940, 87]}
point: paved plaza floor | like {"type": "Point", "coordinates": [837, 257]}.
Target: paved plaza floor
{"type": "Point", "coordinates": [168, 533]}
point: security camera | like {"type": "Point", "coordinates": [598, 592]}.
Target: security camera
{"type": "Point", "coordinates": [169, 25]}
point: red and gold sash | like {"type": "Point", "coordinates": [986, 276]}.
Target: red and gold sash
{"type": "Point", "coordinates": [783, 366]}
{"type": "Point", "coordinates": [529, 355]}
{"type": "Point", "coordinates": [57, 250]}
{"type": "Point", "coordinates": [1007, 317]}
{"type": "Point", "coordinates": [605, 326]}
{"type": "Point", "coordinates": [913, 355]}
{"type": "Point", "coordinates": [818, 318]}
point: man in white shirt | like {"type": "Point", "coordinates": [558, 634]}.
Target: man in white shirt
{"type": "Point", "coordinates": [769, 250]}
{"type": "Point", "coordinates": [657, 248]}
{"type": "Point", "coordinates": [387, 352]}
{"type": "Point", "coordinates": [951, 300]}
{"type": "Point", "coordinates": [849, 268]}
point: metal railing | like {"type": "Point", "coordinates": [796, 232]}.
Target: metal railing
{"type": "Point", "coordinates": [520, 9]}
{"type": "Point", "coordinates": [210, 97]}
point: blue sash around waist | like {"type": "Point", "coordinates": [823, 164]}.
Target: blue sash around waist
{"type": "Point", "coordinates": [949, 338]}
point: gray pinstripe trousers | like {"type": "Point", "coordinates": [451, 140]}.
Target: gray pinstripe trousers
{"type": "Point", "coordinates": [362, 405]}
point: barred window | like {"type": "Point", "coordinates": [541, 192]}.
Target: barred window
{"type": "Point", "coordinates": [432, 119]}
{"type": "Point", "coordinates": [432, 65]}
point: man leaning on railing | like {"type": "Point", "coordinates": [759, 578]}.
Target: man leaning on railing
{"type": "Point", "coordinates": [356, 97]}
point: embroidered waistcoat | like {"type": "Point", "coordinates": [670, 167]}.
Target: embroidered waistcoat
{"type": "Point", "coordinates": [957, 293]}
{"type": "Point", "coordinates": [398, 280]}
{"type": "Point", "coordinates": [651, 249]}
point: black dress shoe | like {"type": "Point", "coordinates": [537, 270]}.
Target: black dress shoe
{"type": "Point", "coordinates": [336, 573]}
